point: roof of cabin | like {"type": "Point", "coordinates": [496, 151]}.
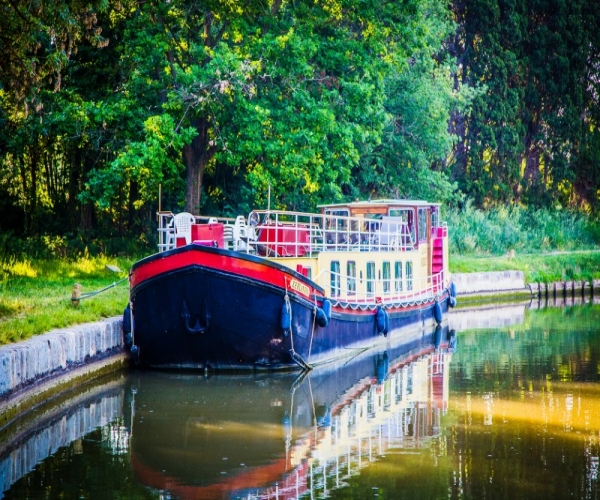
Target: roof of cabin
{"type": "Point", "coordinates": [381, 203]}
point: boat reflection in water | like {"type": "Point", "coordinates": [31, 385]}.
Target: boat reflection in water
{"type": "Point", "coordinates": [284, 436]}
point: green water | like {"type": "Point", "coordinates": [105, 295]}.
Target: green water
{"type": "Point", "coordinates": [510, 411]}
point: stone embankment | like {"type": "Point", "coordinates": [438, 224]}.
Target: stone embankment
{"type": "Point", "coordinates": [34, 370]}
{"type": "Point", "coordinates": [491, 283]}
{"type": "Point", "coordinates": [512, 284]}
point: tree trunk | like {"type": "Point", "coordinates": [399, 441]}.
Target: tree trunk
{"type": "Point", "coordinates": [87, 207]}
{"type": "Point", "coordinates": [196, 155]}
{"type": "Point", "coordinates": [33, 220]}
{"type": "Point", "coordinates": [74, 188]}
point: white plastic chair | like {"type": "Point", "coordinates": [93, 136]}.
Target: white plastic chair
{"type": "Point", "coordinates": [239, 233]}
{"type": "Point", "coordinates": [228, 236]}
{"type": "Point", "coordinates": [183, 226]}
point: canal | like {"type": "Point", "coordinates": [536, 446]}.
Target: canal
{"type": "Point", "coordinates": [502, 403]}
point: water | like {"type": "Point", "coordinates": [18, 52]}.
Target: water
{"type": "Point", "coordinates": [511, 410]}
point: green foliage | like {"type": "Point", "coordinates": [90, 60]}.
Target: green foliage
{"type": "Point", "coordinates": [498, 230]}
{"type": "Point", "coordinates": [73, 246]}
{"type": "Point", "coordinates": [102, 102]}
{"type": "Point", "coordinates": [149, 163]}
{"type": "Point", "coordinates": [415, 143]}
{"type": "Point", "coordinates": [532, 137]}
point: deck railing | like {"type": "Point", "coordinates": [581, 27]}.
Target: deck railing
{"type": "Point", "coordinates": [167, 233]}
{"type": "Point", "coordinates": [409, 290]}
{"type": "Point", "coordinates": [297, 234]}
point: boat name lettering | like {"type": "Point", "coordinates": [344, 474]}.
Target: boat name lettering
{"type": "Point", "coordinates": [300, 287]}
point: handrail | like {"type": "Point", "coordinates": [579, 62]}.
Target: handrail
{"type": "Point", "coordinates": [279, 233]}
{"type": "Point", "coordinates": [166, 227]}
{"type": "Point", "coordinates": [414, 290]}
{"type": "Point", "coordinates": [297, 234]}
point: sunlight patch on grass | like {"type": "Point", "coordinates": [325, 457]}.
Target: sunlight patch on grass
{"type": "Point", "coordinates": [19, 268]}
{"type": "Point", "coordinates": [89, 266]}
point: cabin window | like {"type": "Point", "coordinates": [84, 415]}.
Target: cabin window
{"type": "Point", "coordinates": [370, 278]}
{"type": "Point", "coordinates": [422, 224]}
{"type": "Point", "coordinates": [407, 214]}
{"type": "Point", "coordinates": [409, 276]}
{"type": "Point", "coordinates": [387, 277]}
{"type": "Point", "coordinates": [409, 381]}
{"type": "Point", "coordinates": [336, 225]}
{"type": "Point", "coordinates": [351, 273]}
{"type": "Point", "coordinates": [435, 217]}
{"type": "Point", "coordinates": [344, 212]}
{"type": "Point", "coordinates": [398, 276]}
{"type": "Point", "coordinates": [335, 278]}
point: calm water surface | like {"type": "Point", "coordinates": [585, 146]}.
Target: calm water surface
{"type": "Point", "coordinates": [505, 404]}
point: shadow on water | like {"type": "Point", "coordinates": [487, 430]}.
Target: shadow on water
{"type": "Point", "coordinates": [513, 411]}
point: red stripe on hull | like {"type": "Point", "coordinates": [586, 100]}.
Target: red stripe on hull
{"type": "Point", "coordinates": [234, 264]}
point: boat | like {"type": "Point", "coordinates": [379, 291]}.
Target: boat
{"type": "Point", "coordinates": [285, 290]}
{"type": "Point", "coordinates": [284, 435]}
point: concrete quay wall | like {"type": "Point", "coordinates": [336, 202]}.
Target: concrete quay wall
{"type": "Point", "coordinates": [488, 282]}
{"type": "Point", "coordinates": [32, 370]}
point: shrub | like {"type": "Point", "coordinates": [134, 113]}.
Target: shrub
{"type": "Point", "coordinates": [525, 230]}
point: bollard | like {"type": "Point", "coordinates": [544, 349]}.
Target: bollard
{"type": "Point", "coordinates": [76, 295]}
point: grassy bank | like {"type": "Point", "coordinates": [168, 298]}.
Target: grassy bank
{"type": "Point", "coordinates": [543, 268]}
{"type": "Point", "coordinates": [35, 295]}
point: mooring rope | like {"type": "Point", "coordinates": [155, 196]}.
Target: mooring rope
{"type": "Point", "coordinates": [295, 356]}
{"type": "Point", "coordinates": [75, 298]}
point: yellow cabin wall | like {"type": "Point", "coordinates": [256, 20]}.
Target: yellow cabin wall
{"type": "Point", "coordinates": [320, 269]}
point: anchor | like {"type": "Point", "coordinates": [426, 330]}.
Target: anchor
{"type": "Point", "coordinates": [197, 327]}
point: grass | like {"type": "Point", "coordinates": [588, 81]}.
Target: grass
{"type": "Point", "coordinates": [543, 267]}
{"type": "Point", "coordinates": [35, 295]}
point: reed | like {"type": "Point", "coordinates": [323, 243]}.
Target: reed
{"type": "Point", "coordinates": [500, 230]}
{"type": "Point", "coordinates": [547, 245]}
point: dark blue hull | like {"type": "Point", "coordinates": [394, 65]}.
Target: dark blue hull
{"type": "Point", "coordinates": [212, 317]}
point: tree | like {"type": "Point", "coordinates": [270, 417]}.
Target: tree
{"type": "Point", "coordinates": [284, 94]}
{"type": "Point", "coordinates": [531, 137]}
{"type": "Point", "coordinates": [416, 142]}
{"type": "Point", "coordinates": [37, 40]}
